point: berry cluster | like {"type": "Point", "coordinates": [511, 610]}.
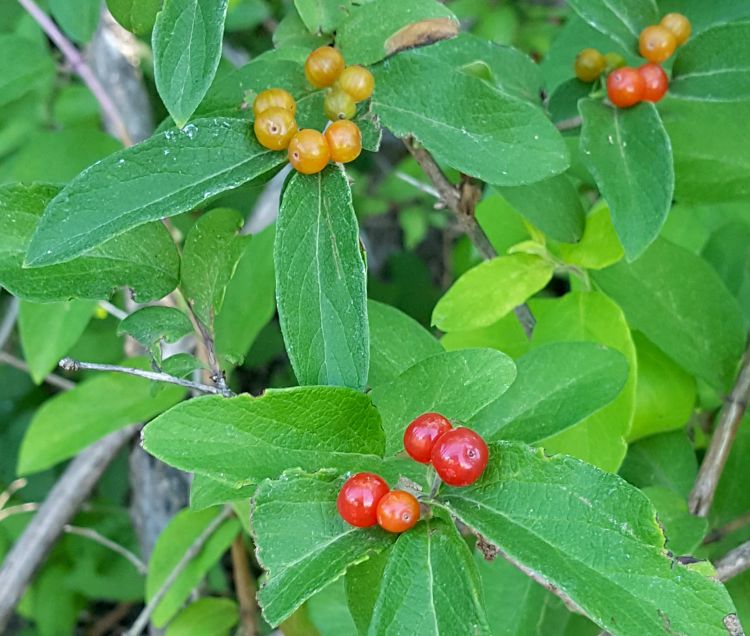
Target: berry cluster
{"type": "Point", "coordinates": [458, 455]}
{"type": "Point", "coordinates": [309, 151]}
{"type": "Point", "coordinates": [628, 86]}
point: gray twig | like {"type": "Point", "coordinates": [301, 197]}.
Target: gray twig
{"type": "Point", "coordinates": [89, 533]}
{"type": "Point", "coordinates": [113, 310]}
{"type": "Point", "coordinates": [735, 405]}
{"type": "Point", "coordinates": [9, 320]}
{"type": "Point", "coordinates": [193, 551]}
{"type": "Point", "coordinates": [51, 379]}
{"type": "Point", "coordinates": [11, 490]}
{"type": "Point", "coordinates": [734, 562]}
{"type": "Point", "coordinates": [76, 365]}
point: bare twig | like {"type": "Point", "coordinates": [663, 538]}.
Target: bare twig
{"type": "Point", "coordinates": [76, 365]}
{"type": "Point", "coordinates": [20, 509]}
{"type": "Point", "coordinates": [735, 405]}
{"type": "Point", "coordinates": [734, 562]}
{"type": "Point", "coordinates": [58, 508]}
{"type": "Point", "coordinates": [717, 534]}
{"type": "Point", "coordinates": [245, 588]}
{"type": "Point", "coordinates": [89, 533]}
{"type": "Point", "coordinates": [78, 64]}
{"type": "Point", "coordinates": [51, 379]}
{"type": "Point", "coordinates": [11, 490]}
{"type": "Point", "coordinates": [419, 185]}
{"type": "Point", "coordinates": [9, 320]}
{"type": "Point", "coordinates": [193, 551]}
{"type": "Point", "coordinates": [569, 124]}
{"type": "Point", "coordinates": [113, 310]}
{"type": "Point", "coordinates": [462, 201]}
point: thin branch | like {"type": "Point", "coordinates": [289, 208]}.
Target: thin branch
{"type": "Point", "coordinates": [419, 185]}
{"type": "Point", "coordinates": [569, 124]}
{"type": "Point", "coordinates": [9, 320]}
{"type": "Point", "coordinates": [20, 509]}
{"type": "Point", "coordinates": [51, 379]}
{"type": "Point", "coordinates": [209, 347]}
{"type": "Point", "coordinates": [113, 310]}
{"type": "Point", "coordinates": [78, 64]}
{"type": "Point", "coordinates": [735, 405]}
{"type": "Point", "coordinates": [245, 588]}
{"type": "Point", "coordinates": [734, 562]}
{"type": "Point", "coordinates": [89, 533]}
{"type": "Point", "coordinates": [462, 201]}
{"type": "Point", "coordinates": [717, 534]}
{"type": "Point", "coordinates": [67, 495]}
{"type": "Point", "coordinates": [76, 365]}
{"type": "Point", "coordinates": [11, 490]}
{"type": "Point", "coordinates": [193, 551]}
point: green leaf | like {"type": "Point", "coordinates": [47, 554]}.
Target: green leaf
{"type": "Point", "coordinates": [322, 16]}
{"type": "Point", "coordinates": [24, 67]}
{"type": "Point", "coordinates": [243, 440]}
{"type": "Point", "coordinates": [458, 384]}
{"type": "Point", "coordinates": [78, 18]}
{"type": "Point", "coordinates": [181, 365]}
{"type": "Point", "coordinates": [629, 154]}
{"type": "Point", "coordinates": [591, 316]}
{"type": "Point", "coordinates": [181, 532]}
{"type": "Point", "coordinates": [249, 301]}
{"type": "Point", "coordinates": [302, 542]}
{"type": "Point", "coordinates": [150, 325]}
{"type": "Point", "coordinates": [593, 537]}
{"type": "Point", "coordinates": [431, 568]}
{"type": "Point", "coordinates": [362, 585]}
{"type": "Point", "coordinates": [137, 16]}
{"type": "Point", "coordinates": [212, 249]}
{"type": "Point", "coordinates": [321, 281]}
{"type": "Point", "coordinates": [70, 421]}
{"type": "Point", "coordinates": [206, 492]}
{"type": "Point", "coordinates": [397, 341]}
{"type": "Point", "coordinates": [497, 138]}
{"type": "Point", "coordinates": [665, 395]}
{"type": "Point", "coordinates": [205, 617]}
{"type": "Point", "coordinates": [558, 385]}
{"type": "Point", "coordinates": [665, 294]}
{"type": "Point", "coordinates": [489, 291]}
{"type": "Point", "coordinates": [187, 42]}
{"type": "Point", "coordinates": [372, 31]}
{"type": "Point", "coordinates": [552, 205]}
{"type": "Point", "coordinates": [599, 246]}
{"type": "Point", "coordinates": [622, 21]}
{"type": "Point", "coordinates": [684, 531]}
{"type": "Point", "coordinates": [714, 65]}
{"type": "Point", "coordinates": [144, 258]}
{"type": "Point", "coordinates": [329, 612]}
{"type": "Point", "coordinates": [168, 174]}
{"type": "Point", "coordinates": [49, 330]}
{"type": "Point", "coordinates": [666, 460]}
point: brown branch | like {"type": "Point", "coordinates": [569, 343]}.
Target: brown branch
{"type": "Point", "coordinates": [62, 502]}
{"type": "Point", "coordinates": [462, 201]}
{"type": "Point", "coordinates": [193, 551]}
{"type": "Point", "coordinates": [245, 588]}
{"type": "Point", "coordinates": [735, 405]}
{"type": "Point", "coordinates": [79, 66]}
{"type": "Point", "coordinates": [734, 562]}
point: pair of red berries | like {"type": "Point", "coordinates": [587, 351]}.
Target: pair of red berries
{"type": "Point", "coordinates": [628, 86]}
{"type": "Point", "coordinates": [459, 457]}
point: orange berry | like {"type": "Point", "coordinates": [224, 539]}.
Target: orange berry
{"type": "Point", "coordinates": [339, 105]}
{"type": "Point", "coordinates": [589, 65]}
{"type": "Point", "coordinates": [323, 66]}
{"type": "Point", "coordinates": [274, 128]}
{"type": "Point", "coordinates": [274, 98]}
{"type": "Point", "coordinates": [625, 87]}
{"type": "Point", "coordinates": [309, 152]}
{"type": "Point", "coordinates": [357, 81]}
{"type": "Point", "coordinates": [679, 25]}
{"type": "Point", "coordinates": [345, 141]}
{"type": "Point", "coordinates": [657, 44]}
{"type": "Point", "coordinates": [397, 511]}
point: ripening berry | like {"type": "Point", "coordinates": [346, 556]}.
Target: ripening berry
{"type": "Point", "coordinates": [589, 65]}
{"type": "Point", "coordinates": [338, 104]}
{"type": "Point", "coordinates": [625, 87]}
{"type": "Point", "coordinates": [656, 82]}
{"type": "Point", "coordinates": [309, 152]}
{"type": "Point", "coordinates": [679, 25]}
{"type": "Point", "coordinates": [398, 511]}
{"type": "Point", "coordinates": [613, 61]}
{"type": "Point", "coordinates": [657, 44]}
{"type": "Point", "coordinates": [358, 499]}
{"type": "Point", "coordinates": [357, 81]}
{"type": "Point", "coordinates": [344, 141]}
{"type": "Point", "coordinates": [420, 436]}
{"type": "Point", "coordinates": [460, 457]}
{"type": "Point", "coordinates": [323, 66]}
{"type": "Point", "coordinates": [274, 98]}
{"type": "Point", "coordinates": [274, 128]}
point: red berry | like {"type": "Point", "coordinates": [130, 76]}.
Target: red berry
{"type": "Point", "coordinates": [656, 82]}
{"type": "Point", "coordinates": [420, 436]}
{"type": "Point", "coordinates": [460, 457]}
{"type": "Point", "coordinates": [625, 87]}
{"type": "Point", "coordinates": [398, 511]}
{"type": "Point", "coordinates": [359, 497]}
